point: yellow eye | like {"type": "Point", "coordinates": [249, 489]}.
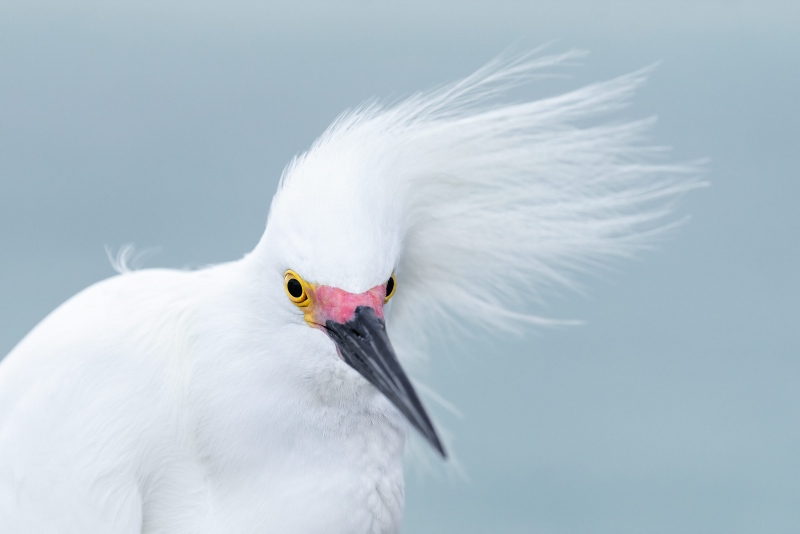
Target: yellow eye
{"type": "Point", "coordinates": [391, 285]}
{"type": "Point", "coordinates": [296, 289]}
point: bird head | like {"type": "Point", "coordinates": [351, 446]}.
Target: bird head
{"type": "Point", "coordinates": [334, 243]}
{"type": "Point", "coordinates": [449, 210]}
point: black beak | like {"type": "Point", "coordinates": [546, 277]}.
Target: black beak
{"type": "Point", "coordinates": [365, 346]}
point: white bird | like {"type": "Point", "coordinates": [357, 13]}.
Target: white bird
{"type": "Point", "coordinates": [263, 395]}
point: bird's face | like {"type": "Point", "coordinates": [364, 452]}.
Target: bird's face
{"type": "Point", "coordinates": [355, 324]}
{"type": "Point", "coordinates": [332, 245]}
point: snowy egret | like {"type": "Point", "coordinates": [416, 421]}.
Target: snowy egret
{"type": "Point", "coordinates": [264, 394]}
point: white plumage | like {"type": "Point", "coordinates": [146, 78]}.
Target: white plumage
{"type": "Point", "coordinates": [171, 401]}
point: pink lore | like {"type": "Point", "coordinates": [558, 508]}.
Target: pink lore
{"type": "Point", "coordinates": [332, 303]}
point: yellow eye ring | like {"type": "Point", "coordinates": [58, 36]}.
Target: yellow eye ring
{"type": "Point", "coordinates": [296, 289]}
{"type": "Point", "coordinates": [391, 287]}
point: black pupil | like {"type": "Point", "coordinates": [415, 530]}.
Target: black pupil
{"type": "Point", "coordinates": [389, 286]}
{"type": "Point", "coordinates": [295, 288]}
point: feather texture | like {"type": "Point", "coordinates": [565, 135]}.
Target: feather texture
{"type": "Point", "coordinates": [188, 401]}
{"type": "Point", "coordinates": [495, 203]}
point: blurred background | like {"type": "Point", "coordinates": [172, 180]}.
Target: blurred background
{"type": "Point", "coordinates": [674, 409]}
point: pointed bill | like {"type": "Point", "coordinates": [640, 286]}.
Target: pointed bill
{"type": "Point", "coordinates": [365, 346]}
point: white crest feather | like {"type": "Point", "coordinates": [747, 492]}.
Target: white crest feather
{"type": "Point", "coordinates": [128, 258]}
{"type": "Point", "coordinates": [539, 188]}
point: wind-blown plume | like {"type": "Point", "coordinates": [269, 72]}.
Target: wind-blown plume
{"type": "Point", "coordinates": [536, 187]}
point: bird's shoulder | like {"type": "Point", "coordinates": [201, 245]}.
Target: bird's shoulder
{"type": "Point", "coordinates": [105, 310]}
{"type": "Point", "coordinates": [124, 324]}
{"type": "Point", "coordinates": [77, 395]}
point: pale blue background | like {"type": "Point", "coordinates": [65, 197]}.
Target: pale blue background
{"type": "Point", "coordinates": [676, 409]}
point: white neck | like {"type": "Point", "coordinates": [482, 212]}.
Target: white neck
{"type": "Point", "coordinates": [285, 438]}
